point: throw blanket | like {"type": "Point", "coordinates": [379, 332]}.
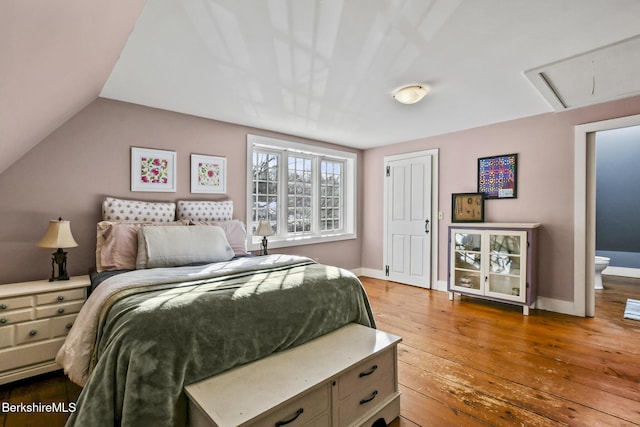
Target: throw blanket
{"type": "Point", "coordinates": [152, 340]}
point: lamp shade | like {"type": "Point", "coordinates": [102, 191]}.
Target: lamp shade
{"type": "Point", "coordinates": [264, 228]}
{"type": "Point", "coordinates": [411, 94]}
{"type": "Point", "coordinates": [58, 235]}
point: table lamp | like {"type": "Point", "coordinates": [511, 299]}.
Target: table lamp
{"type": "Point", "coordinates": [264, 229]}
{"type": "Point", "coordinates": [58, 236]}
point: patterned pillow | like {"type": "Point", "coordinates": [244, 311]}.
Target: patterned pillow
{"type": "Point", "coordinates": [198, 211]}
{"type": "Point", "coordinates": [137, 211]}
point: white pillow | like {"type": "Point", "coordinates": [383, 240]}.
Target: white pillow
{"type": "Point", "coordinates": [236, 234]}
{"type": "Point", "coordinates": [181, 245]}
{"type": "Point", "coordinates": [204, 210]}
{"type": "Point", "coordinates": [122, 210]}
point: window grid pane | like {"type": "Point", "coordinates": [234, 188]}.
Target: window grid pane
{"type": "Point", "coordinates": [330, 200]}
{"type": "Point", "coordinates": [265, 189]}
{"type": "Point", "coordinates": [299, 186]}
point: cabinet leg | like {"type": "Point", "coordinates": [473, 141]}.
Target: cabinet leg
{"type": "Point", "coordinates": [451, 296]}
{"type": "Point", "coordinates": [525, 310]}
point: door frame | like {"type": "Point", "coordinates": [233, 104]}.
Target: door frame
{"type": "Point", "coordinates": [584, 210]}
{"type": "Point", "coordinates": [435, 221]}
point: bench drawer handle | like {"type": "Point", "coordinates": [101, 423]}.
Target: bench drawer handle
{"type": "Point", "coordinates": [369, 399]}
{"type": "Point", "coordinates": [289, 421]}
{"type": "Point", "coordinates": [60, 310]}
{"type": "Point", "coordinates": [68, 325]}
{"type": "Point", "coordinates": [369, 372]}
{"type": "Point", "coordinates": [3, 320]}
{"type": "Point", "coordinates": [33, 332]}
{"type": "Point", "coordinates": [4, 306]}
{"type": "Point", "coordinates": [61, 298]}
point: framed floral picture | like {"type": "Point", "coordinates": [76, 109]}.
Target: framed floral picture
{"type": "Point", "coordinates": [153, 170]}
{"type": "Point", "coordinates": [208, 174]}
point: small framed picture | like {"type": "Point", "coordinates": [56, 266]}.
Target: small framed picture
{"type": "Point", "coordinates": [153, 170]}
{"type": "Point", "coordinates": [208, 174]}
{"type": "Point", "coordinates": [467, 207]}
{"type": "Point", "coordinates": [498, 176]}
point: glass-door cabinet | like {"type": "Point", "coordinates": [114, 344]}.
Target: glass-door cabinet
{"type": "Point", "coordinates": [494, 261]}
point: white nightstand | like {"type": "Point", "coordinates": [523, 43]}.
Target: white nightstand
{"type": "Point", "coordinates": [35, 317]}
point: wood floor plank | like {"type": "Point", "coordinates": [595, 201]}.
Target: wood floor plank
{"type": "Point", "coordinates": [561, 369]}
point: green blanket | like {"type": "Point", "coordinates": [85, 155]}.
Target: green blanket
{"type": "Point", "coordinates": [152, 342]}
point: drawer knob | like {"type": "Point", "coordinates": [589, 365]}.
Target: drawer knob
{"type": "Point", "coordinates": [370, 398]}
{"type": "Point", "coordinates": [60, 310]}
{"type": "Point", "coordinates": [68, 325]}
{"type": "Point", "coordinates": [4, 306]}
{"type": "Point", "coordinates": [61, 298]}
{"type": "Point", "coordinates": [3, 320]}
{"type": "Point", "coordinates": [33, 332]}
{"type": "Point", "coordinates": [290, 420]}
{"type": "Point", "coordinates": [369, 372]}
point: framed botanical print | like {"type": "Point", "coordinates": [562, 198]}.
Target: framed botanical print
{"type": "Point", "coordinates": [208, 174]}
{"type": "Point", "coordinates": [153, 170]}
{"type": "Point", "coordinates": [498, 176]}
{"type": "Point", "coordinates": [467, 207]}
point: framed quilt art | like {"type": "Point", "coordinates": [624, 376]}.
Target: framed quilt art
{"type": "Point", "coordinates": [498, 176]}
{"type": "Point", "coordinates": [153, 170]}
{"type": "Point", "coordinates": [208, 174]}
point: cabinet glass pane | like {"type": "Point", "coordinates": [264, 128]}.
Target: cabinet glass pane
{"type": "Point", "coordinates": [505, 264]}
{"type": "Point", "coordinates": [505, 244]}
{"type": "Point", "coordinates": [467, 241]}
{"type": "Point", "coordinates": [466, 279]}
{"type": "Point", "coordinates": [468, 260]}
{"type": "Point", "coordinates": [507, 285]}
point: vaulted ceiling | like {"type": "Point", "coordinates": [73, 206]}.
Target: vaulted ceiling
{"type": "Point", "coordinates": [324, 69]}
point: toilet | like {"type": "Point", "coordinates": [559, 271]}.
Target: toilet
{"type": "Point", "coordinates": [601, 263]}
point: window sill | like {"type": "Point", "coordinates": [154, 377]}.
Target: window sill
{"type": "Point", "coordinates": [274, 243]}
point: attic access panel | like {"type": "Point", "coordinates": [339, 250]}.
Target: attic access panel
{"type": "Point", "coordinates": [604, 74]}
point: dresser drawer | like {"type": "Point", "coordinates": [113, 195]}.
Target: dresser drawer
{"type": "Point", "coordinates": [53, 297]}
{"type": "Point", "coordinates": [30, 354]}
{"type": "Point", "coordinates": [6, 336]}
{"type": "Point", "coordinates": [358, 404]}
{"type": "Point", "coordinates": [13, 303]}
{"type": "Point", "coordinates": [302, 411]}
{"type": "Point", "coordinates": [32, 331]}
{"type": "Point", "coordinates": [15, 316]}
{"type": "Point", "coordinates": [54, 310]}
{"type": "Point", "coordinates": [60, 326]}
{"type": "Point", "coordinates": [368, 374]}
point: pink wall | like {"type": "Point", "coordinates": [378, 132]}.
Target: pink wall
{"type": "Point", "coordinates": [545, 147]}
{"type": "Point", "coordinates": [70, 172]}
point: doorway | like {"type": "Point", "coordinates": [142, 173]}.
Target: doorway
{"type": "Point", "coordinates": [585, 212]}
{"type": "Point", "coordinates": [410, 206]}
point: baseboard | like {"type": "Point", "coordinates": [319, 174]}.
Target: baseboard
{"type": "Point", "coordinates": [555, 305]}
{"type": "Point", "coordinates": [622, 272]}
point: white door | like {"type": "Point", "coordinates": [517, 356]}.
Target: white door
{"type": "Point", "coordinates": [408, 221]}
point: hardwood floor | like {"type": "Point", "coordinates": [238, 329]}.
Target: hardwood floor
{"type": "Point", "coordinates": [471, 362]}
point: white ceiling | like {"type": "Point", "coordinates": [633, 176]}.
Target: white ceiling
{"type": "Point", "coordinates": [326, 69]}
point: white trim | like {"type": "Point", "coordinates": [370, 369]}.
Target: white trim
{"type": "Point", "coordinates": [435, 221]}
{"type": "Point", "coordinates": [349, 189]}
{"type": "Point", "coordinates": [555, 305]}
{"type": "Point", "coordinates": [633, 273]}
{"type": "Point", "coordinates": [583, 223]}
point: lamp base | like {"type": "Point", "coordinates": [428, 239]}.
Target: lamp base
{"type": "Point", "coordinates": [264, 245]}
{"type": "Point", "coordinates": [59, 258]}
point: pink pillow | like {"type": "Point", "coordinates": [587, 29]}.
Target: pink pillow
{"type": "Point", "coordinates": [117, 244]}
{"type": "Point", "coordinates": [235, 231]}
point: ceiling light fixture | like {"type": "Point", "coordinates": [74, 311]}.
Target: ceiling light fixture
{"type": "Point", "coordinates": [410, 94]}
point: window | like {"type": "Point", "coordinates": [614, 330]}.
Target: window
{"type": "Point", "coordinates": [307, 193]}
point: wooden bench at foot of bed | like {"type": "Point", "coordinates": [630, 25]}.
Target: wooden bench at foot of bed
{"type": "Point", "coordinates": [345, 378]}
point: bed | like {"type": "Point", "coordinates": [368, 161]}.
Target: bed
{"type": "Point", "coordinates": [179, 317]}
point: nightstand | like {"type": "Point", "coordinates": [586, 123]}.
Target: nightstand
{"type": "Point", "coordinates": [35, 317]}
